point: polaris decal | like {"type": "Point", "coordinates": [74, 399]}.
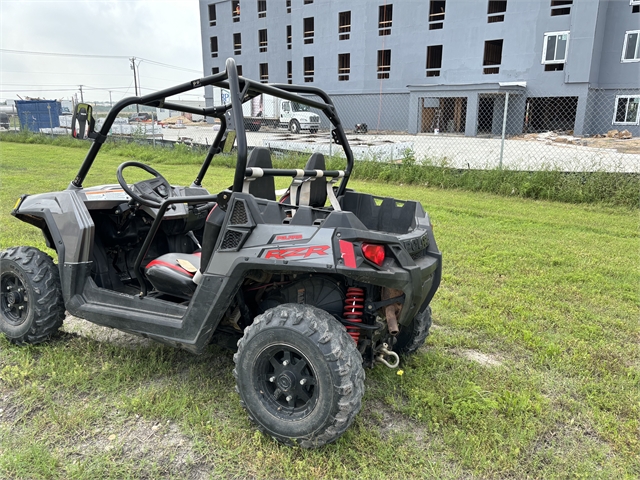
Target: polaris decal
{"type": "Point", "coordinates": [296, 253]}
{"type": "Point", "coordinates": [288, 237]}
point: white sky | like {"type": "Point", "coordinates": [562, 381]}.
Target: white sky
{"type": "Point", "coordinates": [165, 31]}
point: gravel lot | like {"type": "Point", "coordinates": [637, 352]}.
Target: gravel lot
{"type": "Point", "coordinates": [531, 153]}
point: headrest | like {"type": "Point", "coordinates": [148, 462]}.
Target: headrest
{"type": "Point", "coordinates": [263, 187]}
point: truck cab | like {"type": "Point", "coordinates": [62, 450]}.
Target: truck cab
{"type": "Point", "coordinates": [297, 117]}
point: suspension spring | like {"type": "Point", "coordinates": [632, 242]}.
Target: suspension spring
{"type": "Point", "coordinates": [353, 310]}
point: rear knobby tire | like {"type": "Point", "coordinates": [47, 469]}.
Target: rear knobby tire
{"type": "Point", "coordinates": [413, 336]}
{"type": "Point", "coordinates": [31, 303]}
{"type": "Point", "coordinates": [299, 375]}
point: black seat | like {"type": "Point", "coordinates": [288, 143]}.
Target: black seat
{"type": "Point", "coordinates": [310, 191]}
{"type": "Point", "coordinates": [172, 273]}
{"type": "Point", "coordinates": [263, 187]}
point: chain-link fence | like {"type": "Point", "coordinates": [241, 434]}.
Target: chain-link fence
{"type": "Point", "coordinates": [512, 127]}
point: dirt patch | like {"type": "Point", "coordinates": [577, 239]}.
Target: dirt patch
{"type": "Point", "coordinates": [138, 438]}
{"type": "Point", "coordinates": [484, 359]}
{"type": "Point", "coordinates": [621, 145]}
{"type": "Point", "coordinates": [83, 328]}
{"type": "Point", "coordinates": [377, 415]}
{"type": "Point", "coordinates": [8, 408]}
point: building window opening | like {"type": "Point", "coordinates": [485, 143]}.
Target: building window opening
{"type": "Point", "coordinates": [308, 30]}
{"type": "Point", "coordinates": [308, 69]}
{"type": "Point", "coordinates": [289, 72]}
{"type": "Point", "coordinates": [215, 70]}
{"type": "Point", "coordinates": [434, 60]}
{"type": "Point", "coordinates": [212, 15]}
{"type": "Point", "coordinates": [235, 10]}
{"type": "Point", "coordinates": [213, 43]}
{"type": "Point", "coordinates": [288, 6]}
{"type": "Point", "coordinates": [262, 8]}
{"type": "Point", "coordinates": [385, 17]}
{"type": "Point", "coordinates": [262, 40]}
{"type": "Point", "coordinates": [344, 67]}
{"type": "Point", "coordinates": [384, 63]}
{"type": "Point", "coordinates": [554, 51]}
{"type": "Point", "coordinates": [239, 70]}
{"type": "Point", "coordinates": [447, 114]}
{"type": "Point", "coordinates": [561, 7]}
{"type": "Point", "coordinates": [496, 10]}
{"type": "Point", "coordinates": [288, 37]}
{"type": "Point", "coordinates": [237, 43]}
{"type": "Point", "coordinates": [344, 25]}
{"type": "Point", "coordinates": [308, 2]}
{"type": "Point", "coordinates": [543, 114]}
{"type": "Point", "coordinates": [264, 73]}
{"type": "Point", "coordinates": [626, 112]}
{"type": "Point", "coordinates": [492, 57]}
{"type": "Point", "coordinates": [436, 14]}
{"type": "Point", "coordinates": [631, 47]}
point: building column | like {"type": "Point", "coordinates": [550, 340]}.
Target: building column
{"type": "Point", "coordinates": [581, 111]}
{"type": "Point", "coordinates": [414, 113]}
{"type": "Point", "coordinates": [515, 119]}
{"type": "Point", "coordinates": [471, 126]}
{"type": "Point", "coordinates": [498, 114]}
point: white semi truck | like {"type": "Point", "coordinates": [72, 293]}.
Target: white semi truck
{"type": "Point", "coordinates": [269, 111]}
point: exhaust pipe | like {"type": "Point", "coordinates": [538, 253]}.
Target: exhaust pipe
{"type": "Point", "coordinates": [392, 311]}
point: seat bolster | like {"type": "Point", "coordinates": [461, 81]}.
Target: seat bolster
{"type": "Point", "coordinates": [169, 277]}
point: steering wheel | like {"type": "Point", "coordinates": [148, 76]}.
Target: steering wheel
{"type": "Point", "coordinates": [150, 193]}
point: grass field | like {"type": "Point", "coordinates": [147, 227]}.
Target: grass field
{"type": "Point", "coordinates": [532, 369]}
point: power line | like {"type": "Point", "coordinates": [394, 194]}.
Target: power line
{"type": "Point", "coordinates": [51, 85]}
{"type": "Point", "coordinates": [170, 66]}
{"type": "Point", "coordinates": [55, 54]}
{"type": "Point", "coordinates": [86, 55]}
{"type": "Point", "coordinates": [69, 73]}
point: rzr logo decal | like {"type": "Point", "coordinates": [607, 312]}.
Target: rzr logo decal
{"type": "Point", "coordinates": [298, 252]}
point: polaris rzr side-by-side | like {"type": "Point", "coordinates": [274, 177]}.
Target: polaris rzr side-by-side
{"type": "Point", "coordinates": [310, 288]}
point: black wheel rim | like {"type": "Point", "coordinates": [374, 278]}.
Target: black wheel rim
{"type": "Point", "coordinates": [14, 301]}
{"type": "Point", "coordinates": [286, 382]}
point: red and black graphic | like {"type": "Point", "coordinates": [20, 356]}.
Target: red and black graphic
{"type": "Point", "coordinates": [296, 252]}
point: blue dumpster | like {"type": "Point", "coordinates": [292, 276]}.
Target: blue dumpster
{"type": "Point", "coordinates": [37, 114]}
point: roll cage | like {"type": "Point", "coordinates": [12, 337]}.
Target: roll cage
{"type": "Point", "coordinates": [241, 90]}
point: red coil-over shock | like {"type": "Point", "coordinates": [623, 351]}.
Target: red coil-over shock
{"type": "Point", "coordinates": [353, 310]}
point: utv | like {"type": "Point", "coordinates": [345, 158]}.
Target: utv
{"type": "Point", "coordinates": [309, 288]}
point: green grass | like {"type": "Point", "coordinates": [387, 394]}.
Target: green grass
{"type": "Point", "coordinates": [548, 291]}
{"type": "Point", "coordinates": [607, 188]}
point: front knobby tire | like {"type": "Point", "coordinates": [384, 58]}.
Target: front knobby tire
{"type": "Point", "coordinates": [299, 375]}
{"type": "Point", "coordinates": [413, 336]}
{"type": "Point", "coordinates": [31, 303]}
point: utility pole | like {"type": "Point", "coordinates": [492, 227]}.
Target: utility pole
{"type": "Point", "coordinates": [110, 101]}
{"type": "Point", "coordinates": [81, 96]}
{"type": "Point", "coordinates": [135, 80]}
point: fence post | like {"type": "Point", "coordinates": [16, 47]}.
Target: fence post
{"type": "Point", "coordinates": [504, 127]}
{"type": "Point", "coordinates": [50, 121]}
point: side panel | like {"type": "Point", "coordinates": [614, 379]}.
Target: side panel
{"type": "Point", "coordinates": [70, 218]}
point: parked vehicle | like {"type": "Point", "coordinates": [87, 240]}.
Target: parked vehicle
{"type": "Point", "coordinates": [140, 117]}
{"type": "Point", "coordinates": [270, 111]}
{"type": "Point", "coordinates": [308, 289]}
